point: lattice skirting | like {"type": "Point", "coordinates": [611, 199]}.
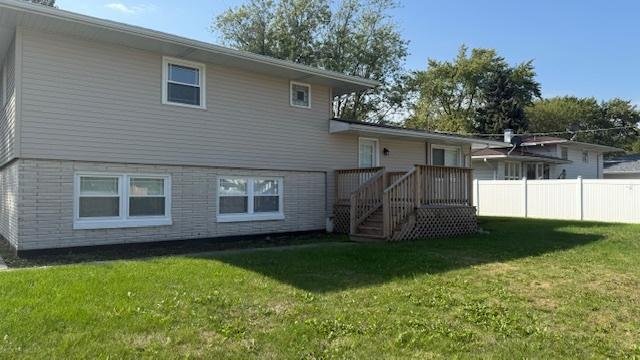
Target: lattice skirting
{"type": "Point", "coordinates": [438, 221]}
{"type": "Point", "coordinates": [341, 218]}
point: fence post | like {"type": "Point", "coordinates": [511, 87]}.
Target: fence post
{"type": "Point", "coordinates": [525, 196]}
{"type": "Point", "coordinates": [579, 201]}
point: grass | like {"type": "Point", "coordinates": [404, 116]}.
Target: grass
{"type": "Point", "coordinates": [527, 288]}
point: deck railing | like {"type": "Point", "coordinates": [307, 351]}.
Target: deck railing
{"type": "Point", "coordinates": [399, 193]}
{"type": "Point", "coordinates": [366, 200]}
{"type": "Point", "coordinates": [425, 185]}
{"type": "Point", "coordinates": [349, 180]}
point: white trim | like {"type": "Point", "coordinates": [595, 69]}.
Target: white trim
{"type": "Point", "coordinates": [291, 83]}
{"type": "Point", "coordinates": [251, 215]}
{"type": "Point", "coordinates": [448, 147]}
{"type": "Point", "coordinates": [202, 83]}
{"type": "Point", "coordinates": [123, 220]}
{"type": "Point", "coordinates": [376, 150]}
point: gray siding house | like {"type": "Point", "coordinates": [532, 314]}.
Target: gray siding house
{"type": "Point", "coordinates": [113, 134]}
{"type": "Point", "coordinates": [539, 158]}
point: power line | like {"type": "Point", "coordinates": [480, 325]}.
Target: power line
{"type": "Point", "coordinates": [562, 132]}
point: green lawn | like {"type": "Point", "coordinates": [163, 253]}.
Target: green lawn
{"type": "Point", "coordinates": [526, 288]}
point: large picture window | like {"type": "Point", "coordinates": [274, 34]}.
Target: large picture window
{"type": "Point", "coordinates": [120, 200]}
{"type": "Point", "coordinates": [183, 83]}
{"type": "Point", "coordinates": [249, 198]}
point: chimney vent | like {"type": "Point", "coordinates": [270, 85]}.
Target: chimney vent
{"type": "Point", "coordinates": [508, 134]}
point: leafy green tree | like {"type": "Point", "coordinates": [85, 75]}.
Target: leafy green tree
{"type": "Point", "coordinates": [476, 92]}
{"type": "Point", "coordinates": [356, 37]}
{"type": "Point", "coordinates": [570, 113]}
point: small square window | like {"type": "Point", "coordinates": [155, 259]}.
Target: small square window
{"type": "Point", "coordinates": [300, 95]}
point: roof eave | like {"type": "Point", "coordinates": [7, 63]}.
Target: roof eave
{"type": "Point", "coordinates": [354, 83]}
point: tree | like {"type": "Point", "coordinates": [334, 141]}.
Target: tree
{"type": "Point", "coordinates": [357, 37]}
{"type": "Point", "coordinates": [569, 113]}
{"type": "Point", "coordinates": [51, 3]}
{"type": "Point", "coordinates": [479, 92]}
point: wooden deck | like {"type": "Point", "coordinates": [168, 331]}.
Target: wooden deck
{"type": "Point", "coordinates": [426, 201]}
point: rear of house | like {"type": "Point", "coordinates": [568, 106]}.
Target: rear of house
{"type": "Point", "coordinates": [114, 134]}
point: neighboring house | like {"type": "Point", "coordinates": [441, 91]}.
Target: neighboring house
{"type": "Point", "coordinates": [113, 134]}
{"type": "Point", "coordinates": [540, 157]}
{"type": "Point", "coordinates": [622, 167]}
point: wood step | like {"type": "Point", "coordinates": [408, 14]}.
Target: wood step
{"type": "Point", "coordinates": [369, 230]}
{"type": "Point", "coordinates": [367, 238]}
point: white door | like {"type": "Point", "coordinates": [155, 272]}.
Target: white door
{"type": "Point", "coordinates": [368, 152]}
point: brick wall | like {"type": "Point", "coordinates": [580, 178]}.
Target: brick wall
{"type": "Point", "coordinates": [9, 203]}
{"type": "Point", "coordinates": [46, 204]}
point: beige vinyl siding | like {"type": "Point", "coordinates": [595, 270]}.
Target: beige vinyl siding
{"type": "Point", "coordinates": [100, 102]}
{"type": "Point", "coordinates": [8, 111]}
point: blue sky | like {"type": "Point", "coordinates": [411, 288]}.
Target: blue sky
{"type": "Point", "coordinates": [582, 48]}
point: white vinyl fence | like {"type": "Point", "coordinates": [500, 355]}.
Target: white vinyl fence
{"type": "Point", "coordinates": [577, 199]}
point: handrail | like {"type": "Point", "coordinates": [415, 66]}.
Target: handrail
{"type": "Point", "coordinates": [349, 180]}
{"type": "Point", "coordinates": [366, 199]}
{"type": "Point", "coordinates": [399, 200]}
{"type": "Point", "coordinates": [446, 185]}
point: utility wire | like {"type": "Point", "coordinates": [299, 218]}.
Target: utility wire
{"type": "Point", "coordinates": [562, 132]}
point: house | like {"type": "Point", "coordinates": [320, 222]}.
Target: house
{"type": "Point", "coordinates": [539, 157]}
{"type": "Point", "coordinates": [622, 167]}
{"type": "Point", "coordinates": [113, 134]}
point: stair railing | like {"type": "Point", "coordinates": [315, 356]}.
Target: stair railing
{"type": "Point", "coordinates": [400, 200]}
{"type": "Point", "coordinates": [366, 199]}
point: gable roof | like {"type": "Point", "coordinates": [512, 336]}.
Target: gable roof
{"type": "Point", "coordinates": [623, 164]}
{"type": "Point", "coordinates": [517, 154]}
{"type": "Point", "coordinates": [15, 13]}
{"type": "Point", "coordinates": [365, 128]}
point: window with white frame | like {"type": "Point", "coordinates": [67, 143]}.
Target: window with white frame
{"type": "Point", "coordinates": [183, 83]}
{"type": "Point", "coordinates": [512, 171]}
{"type": "Point", "coordinates": [300, 94]}
{"type": "Point", "coordinates": [249, 198]}
{"type": "Point", "coordinates": [445, 155]}
{"type": "Point", "coordinates": [564, 152]}
{"type": "Point", "coordinates": [368, 152]}
{"type": "Point", "coordinates": [585, 157]}
{"type": "Point", "coordinates": [120, 200]}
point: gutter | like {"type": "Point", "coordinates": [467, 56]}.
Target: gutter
{"type": "Point", "coordinates": [179, 40]}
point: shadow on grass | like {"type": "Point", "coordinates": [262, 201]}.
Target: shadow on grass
{"type": "Point", "coordinates": [336, 268]}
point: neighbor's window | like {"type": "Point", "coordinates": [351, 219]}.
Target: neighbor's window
{"type": "Point", "coordinates": [300, 94]}
{"type": "Point", "coordinates": [511, 171]}
{"type": "Point", "coordinates": [184, 83]}
{"type": "Point", "coordinates": [112, 201]}
{"type": "Point", "coordinates": [445, 156]}
{"type": "Point", "coordinates": [585, 157]}
{"type": "Point", "coordinates": [248, 198]}
{"type": "Point", "coordinates": [564, 152]}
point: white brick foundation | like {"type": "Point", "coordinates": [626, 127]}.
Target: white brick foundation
{"type": "Point", "coordinates": [45, 205]}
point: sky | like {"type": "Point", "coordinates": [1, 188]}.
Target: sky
{"type": "Point", "coordinates": [583, 48]}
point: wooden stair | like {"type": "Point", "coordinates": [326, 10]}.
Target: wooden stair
{"type": "Point", "coordinates": [371, 229]}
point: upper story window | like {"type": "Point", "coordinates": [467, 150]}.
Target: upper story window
{"type": "Point", "coordinates": [564, 152]}
{"type": "Point", "coordinates": [183, 83]}
{"type": "Point", "coordinates": [300, 95]}
{"type": "Point", "coordinates": [585, 157]}
{"type": "Point", "coordinates": [445, 155]}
